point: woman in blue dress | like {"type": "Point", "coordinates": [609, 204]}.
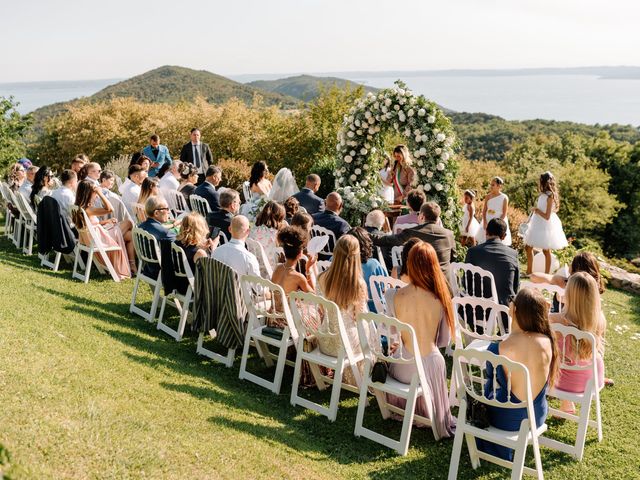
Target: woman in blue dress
{"type": "Point", "coordinates": [532, 344]}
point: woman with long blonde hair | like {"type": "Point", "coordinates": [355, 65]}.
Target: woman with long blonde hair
{"type": "Point", "coordinates": [582, 310]}
{"type": "Point", "coordinates": [425, 304]}
{"type": "Point", "coordinates": [342, 283]}
{"type": "Point", "coordinates": [194, 240]}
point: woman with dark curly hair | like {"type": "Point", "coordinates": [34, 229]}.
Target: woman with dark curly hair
{"type": "Point", "coordinates": [291, 207]}
{"type": "Point", "coordinates": [259, 184]}
{"type": "Point", "coordinates": [370, 266]}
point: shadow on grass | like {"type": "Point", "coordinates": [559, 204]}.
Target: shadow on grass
{"type": "Point", "coordinates": [295, 428]}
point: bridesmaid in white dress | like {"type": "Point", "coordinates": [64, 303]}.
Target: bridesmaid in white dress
{"type": "Point", "coordinates": [386, 190]}
{"type": "Point", "coordinates": [545, 228]}
{"type": "Point", "coordinates": [495, 206]}
{"type": "Point", "coordinates": [470, 226]}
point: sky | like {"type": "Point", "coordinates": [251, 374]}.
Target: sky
{"type": "Point", "coordinates": [79, 40]}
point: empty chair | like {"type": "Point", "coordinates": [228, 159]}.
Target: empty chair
{"type": "Point", "coordinates": [464, 367]}
{"type": "Point", "coordinates": [479, 321]}
{"type": "Point", "coordinates": [200, 205]}
{"type": "Point", "coordinates": [377, 332]}
{"type": "Point", "coordinates": [181, 299]}
{"type": "Point", "coordinates": [269, 324]}
{"type": "Point", "coordinates": [569, 343]}
{"type": "Point", "coordinates": [313, 317]}
{"type": "Point", "coordinates": [148, 253]}
{"type": "Point", "coordinates": [176, 201]}
{"type": "Point", "coordinates": [472, 281]}
{"type": "Point", "coordinates": [379, 284]}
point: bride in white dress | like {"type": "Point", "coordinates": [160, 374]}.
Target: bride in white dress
{"type": "Point", "coordinates": [284, 186]}
{"type": "Point", "coordinates": [545, 228]}
{"type": "Point", "coordinates": [495, 206]}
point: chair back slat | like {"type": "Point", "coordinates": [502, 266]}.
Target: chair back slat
{"type": "Point", "coordinates": [257, 249]}
{"type": "Point", "coordinates": [312, 314]}
{"type": "Point", "coordinates": [378, 285]}
{"type": "Point", "coordinates": [472, 281]}
{"type": "Point", "coordinates": [569, 343]}
{"type": "Point", "coordinates": [481, 318]}
{"type": "Point", "coordinates": [396, 256]}
{"type": "Point", "coordinates": [547, 289]}
{"type": "Point", "coordinates": [381, 339]}
{"type": "Point", "coordinates": [267, 301]}
{"type": "Point", "coordinates": [146, 246]}
{"type": "Point", "coordinates": [200, 205]}
{"type": "Point", "coordinates": [181, 266]}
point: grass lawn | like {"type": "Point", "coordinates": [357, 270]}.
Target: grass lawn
{"type": "Point", "coordinates": [88, 390]}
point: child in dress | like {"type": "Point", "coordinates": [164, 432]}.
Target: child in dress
{"type": "Point", "coordinates": [545, 228]}
{"type": "Point", "coordinates": [470, 226]}
{"type": "Point", "coordinates": [495, 206]}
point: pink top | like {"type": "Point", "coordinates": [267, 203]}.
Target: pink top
{"type": "Point", "coordinates": [576, 380]}
{"type": "Point", "coordinates": [408, 218]}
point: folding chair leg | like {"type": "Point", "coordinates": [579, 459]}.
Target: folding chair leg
{"type": "Point", "coordinates": [245, 351]}
{"type": "Point", "coordinates": [154, 301]}
{"type": "Point", "coordinates": [282, 358]}
{"type": "Point", "coordinates": [335, 391]}
{"type": "Point", "coordinates": [407, 422]}
{"type": "Point", "coordinates": [455, 455]}
{"type": "Point", "coordinates": [296, 377]}
{"type": "Point", "coordinates": [583, 425]}
{"type": "Point", "coordinates": [520, 452]}
{"type": "Point", "coordinates": [596, 397]}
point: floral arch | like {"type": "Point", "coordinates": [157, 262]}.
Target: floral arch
{"type": "Point", "coordinates": [428, 134]}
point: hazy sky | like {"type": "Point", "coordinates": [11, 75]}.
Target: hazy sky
{"type": "Point", "coordinates": [73, 39]}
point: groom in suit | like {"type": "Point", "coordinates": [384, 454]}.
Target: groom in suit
{"type": "Point", "coordinates": [158, 154]}
{"type": "Point", "coordinates": [198, 154]}
{"type": "Point", "coordinates": [307, 196]}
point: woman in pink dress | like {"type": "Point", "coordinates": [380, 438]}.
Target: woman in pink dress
{"type": "Point", "coordinates": [425, 304]}
{"type": "Point", "coordinates": [582, 311]}
{"type": "Point", "coordinates": [109, 232]}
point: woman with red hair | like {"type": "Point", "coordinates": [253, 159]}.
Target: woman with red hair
{"type": "Point", "coordinates": [425, 304]}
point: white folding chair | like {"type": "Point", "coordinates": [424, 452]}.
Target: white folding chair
{"type": "Point", "coordinates": [200, 205]}
{"type": "Point", "coordinates": [464, 362]}
{"type": "Point", "coordinates": [18, 222]}
{"type": "Point", "coordinates": [571, 339]}
{"type": "Point", "coordinates": [182, 301]}
{"type": "Point", "coordinates": [141, 215]}
{"type": "Point", "coordinates": [380, 257]}
{"type": "Point", "coordinates": [312, 316]}
{"type": "Point", "coordinates": [469, 280]}
{"type": "Point", "coordinates": [176, 201]}
{"type": "Point", "coordinates": [95, 246]}
{"type": "Point", "coordinates": [266, 303]}
{"type": "Point", "coordinates": [379, 284]}
{"type": "Point", "coordinates": [479, 321]}
{"type": "Point", "coordinates": [547, 289]}
{"type": "Point", "coordinates": [258, 250]}
{"type": "Point", "coordinates": [246, 192]}
{"type": "Point", "coordinates": [29, 223]}
{"type": "Point", "coordinates": [148, 253]}
{"type": "Point", "coordinates": [120, 211]}
{"type": "Point", "coordinates": [371, 328]}
{"type": "Point", "coordinates": [396, 256]}
{"type": "Point", "coordinates": [8, 214]}
{"type": "Point", "coordinates": [398, 227]}
{"type": "Point", "coordinates": [327, 250]}
{"type": "Point", "coordinates": [322, 266]}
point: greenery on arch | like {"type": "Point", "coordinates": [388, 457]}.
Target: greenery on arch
{"type": "Point", "coordinates": [427, 132]}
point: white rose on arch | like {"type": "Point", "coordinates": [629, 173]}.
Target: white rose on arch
{"type": "Point", "coordinates": [429, 174]}
{"type": "Point", "coordinates": [422, 112]}
{"type": "Point", "coordinates": [427, 187]}
{"type": "Point", "coordinates": [350, 134]}
{"type": "Point", "coordinates": [440, 166]}
{"type": "Point", "coordinates": [357, 171]}
{"type": "Point", "coordinates": [438, 187]}
{"type": "Point", "coordinates": [431, 119]}
{"type": "Point", "coordinates": [445, 156]}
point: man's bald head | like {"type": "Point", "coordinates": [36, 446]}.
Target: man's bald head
{"type": "Point", "coordinates": [334, 202]}
{"type": "Point", "coordinates": [239, 227]}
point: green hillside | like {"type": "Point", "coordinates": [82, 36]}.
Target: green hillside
{"type": "Point", "coordinates": [305, 87]}
{"type": "Point", "coordinates": [170, 84]}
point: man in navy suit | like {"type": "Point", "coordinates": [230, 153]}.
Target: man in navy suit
{"type": "Point", "coordinates": [229, 206]}
{"type": "Point", "coordinates": [307, 196]}
{"type": "Point", "coordinates": [157, 211]}
{"type": "Point", "coordinates": [330, 217]}
{"type": "Point", "coordinates": [197, 154]}
{"type": "Point", "coordinates": [159, 155]}
{"type": "Point", "coordinates": [207, 189]}
{"type": "Point", "coordinates": [502, 261]}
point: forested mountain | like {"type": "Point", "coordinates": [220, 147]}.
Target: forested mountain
{"type": "Point", "coordinates": [305, 87]}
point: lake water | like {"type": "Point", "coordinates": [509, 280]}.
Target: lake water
{"type": "Point", "coordinates": [578, 98]}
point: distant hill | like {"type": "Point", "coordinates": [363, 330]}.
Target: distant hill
{"type": "Point", "coordinates": [305, 87]}
{"type": "Point", "coordinates": [170, 84]}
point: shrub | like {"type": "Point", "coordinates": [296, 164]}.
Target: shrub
{"type": "Point", "coordinates": [234, 172]}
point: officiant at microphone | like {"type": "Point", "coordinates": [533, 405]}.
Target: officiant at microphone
{"type": "Point", "coordinates": [402, 173]}
{"type": "Point", "coordinates": [197, 153]}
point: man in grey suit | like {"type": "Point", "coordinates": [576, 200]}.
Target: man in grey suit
{"type": "Point", "coordinates": [198, 154]}
{"type": "Point", "coordinates": [440, 238]}
{"type": "Point", "coordinates": [500, 260]}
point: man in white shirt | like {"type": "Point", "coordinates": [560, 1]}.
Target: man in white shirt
{"type": "Point", "coordinates": [25, 188]}
{"type": "Point", "coordinates": [169, 181]}
{"type": "Point", "coordinates": [131, 191]}
{"type": "Point", "coordinates": [66, 194]}
{"type": "Point", "coordinates": [234, 253]}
